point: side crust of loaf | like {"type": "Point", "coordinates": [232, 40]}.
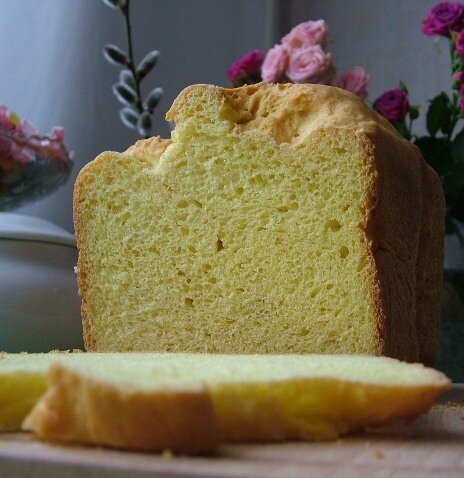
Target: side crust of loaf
{"type": "Point", "coordinates": [404, 230]}
{"type": "Point", "coordinates": [81, 409]}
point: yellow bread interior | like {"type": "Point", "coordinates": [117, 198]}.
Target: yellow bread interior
{"type": "Point", "coordinates": [244, 234]}
{"type": "Point", "coordinates": [255, 397]}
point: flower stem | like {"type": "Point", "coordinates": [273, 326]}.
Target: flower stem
{"type": "Point", "coordinates": [130, 50]}
{"type": "Point", "coordinates": [454, 115]}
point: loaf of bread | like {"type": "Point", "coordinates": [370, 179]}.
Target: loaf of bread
{"type": "Point", "coordinates": [191, 402]}
{"type": "Point", "coordinates": [278, 219]}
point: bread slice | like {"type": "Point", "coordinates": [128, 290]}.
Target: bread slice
{"type": "Point", "coordinates": [105, 399]}
{"type": "Point", "coordinates": [189, 403]}
{"type": "Point", "coordinates": [278, 219]}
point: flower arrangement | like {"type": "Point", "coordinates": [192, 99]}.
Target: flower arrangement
{"type": "Point", "coordinates": [31, 165]}
{"type": "Point", "coordinates": [300, 57]}
{"type": "Point", "coordinates": [136, 113]}
{"type": "Point", "coordinates": [443, 146]}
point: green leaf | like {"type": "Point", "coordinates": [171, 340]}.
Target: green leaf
{"type": "Point", "coordinates": [457, 147]}
{"type": "Point", "coordinates": [115, 55]}
{"type": "Point", "coordinates": [125, 94]}
{"type": "Point", "coordinates": [439, 115]}
{"type": "Point", "coordinates": [402, 129]}
{"type": "Point", "coordinates": [403, 87]}
{"type": "Point", "coordinates": [450, 226]}
{"type": "Point", "coordinates": [436, 152]}
{"type": "Point", "coordinates": [147, 63]}
{"type": "Point", "coordinates": [414, 112]}
{"type": "Point", "coordinates": [129, 117]}
{"type": "Point", "coordinates": [152, 99]}
{"type": "Point", "coordinates": [454, 204]}
{"type": "Point", "coordinates": [453, 180]}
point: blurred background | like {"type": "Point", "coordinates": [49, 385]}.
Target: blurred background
{"type": "Point", "coordinates": [53, 71]}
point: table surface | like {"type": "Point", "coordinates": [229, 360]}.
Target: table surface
{"type": "Point", "coordinates": [433, 445]}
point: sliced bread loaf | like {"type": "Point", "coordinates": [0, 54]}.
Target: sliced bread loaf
{"type": "Point", "coordinates": [189, 402]}
{"type": "Point", "coordinates": [278, 219]}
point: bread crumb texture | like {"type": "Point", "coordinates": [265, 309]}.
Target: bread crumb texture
{"type": "Point", "coordinates": [245, 233]}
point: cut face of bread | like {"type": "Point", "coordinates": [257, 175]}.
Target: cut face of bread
{"type": "Point", "coordinates": [191, 402]}
{"type": "Point", "coordinates": [278, 219]}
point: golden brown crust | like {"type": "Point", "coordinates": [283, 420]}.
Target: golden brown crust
{"type": "Point", "coordinates": [392, 234]}
{"type": "Point", "coordinates": [404, 239]}
{"type": "Point", "coordinates": [149, 148]}
{"type": "Point", "coordinates": [276, 109]}
{"type": "Point", "coordinates": [81, 409]}
{"type": "Point", "coordinates": [81, 267]}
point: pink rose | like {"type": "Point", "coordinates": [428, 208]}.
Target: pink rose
{"type": "Point", "coordinates": [274, 65]}
{"type": "Point", "coordinates": [310, 65]}
{"type": "Point", "coordinates": [57, 133]}
{"type": "Point", "coordinates": [393, 105]}
{"type": "Point", "coordinates": [21, 142]}
{"type": "Point", "coordinates": [306, 34]}
{"type": "Point", "coordinates": [354, 80]}
{"type": "Point", "coordinates": [444, 18]}
{"type": "Point", "coordinates": [246, 69]}
{"type": "Point", "coordinates": [460, 44]}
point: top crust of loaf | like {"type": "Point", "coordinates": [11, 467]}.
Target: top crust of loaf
{"type": "Point", "coordinates": [279, 109]}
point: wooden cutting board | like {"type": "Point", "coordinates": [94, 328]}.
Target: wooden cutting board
{"type": "Point", "coordinates": [431, 446]}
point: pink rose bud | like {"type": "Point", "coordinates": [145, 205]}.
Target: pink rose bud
{"type": "Point", "coordinates": [310, 65]}
{"type": "Point", "coordinates": [245, 67]}
{"type": "Point", "coordinates": [306, 34]}
{"type": "Point", "coordinates": [274, 65]}
{"type": "Point", "coordinates": [460, 44]}
{"type": "Point", "coordinates": [393, 105]}
{"type": "Point", "coordinates": [354, 80]}
{"type": "Point", "coordinates": [57, 133]}
{"type": "Point", "coordinates": [444, 18]}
